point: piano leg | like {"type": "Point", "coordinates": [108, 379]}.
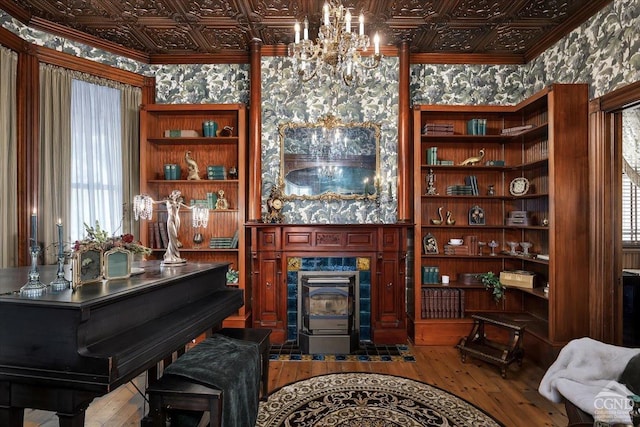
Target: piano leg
{"type": "Point", "coordinates": [71, 420]}
{"type": "Point", "coordinates": [11, 417]}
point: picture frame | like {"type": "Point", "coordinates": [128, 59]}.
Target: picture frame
{"type": "Point", "coordinates": [86, 266]}
{"type": "Point", "coordinates": [430, 244]}
{"type": "Point", "coordinates": [117, 264]}
{"type": "Point", "coordinates": [476, 215]}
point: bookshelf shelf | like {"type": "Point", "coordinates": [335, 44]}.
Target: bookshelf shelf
{"type": "Point", "coordinates": [557, 123]}
{"type": "Point", "coordinates": [226, 152]}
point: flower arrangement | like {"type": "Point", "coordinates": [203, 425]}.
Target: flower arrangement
{"type": "Point", "coordinates": [99, 239]}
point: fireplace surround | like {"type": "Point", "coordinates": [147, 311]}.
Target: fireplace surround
{"type": "Point", "coordinates": [375, 254]}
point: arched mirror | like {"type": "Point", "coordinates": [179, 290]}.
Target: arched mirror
{"type": "Point", "coordinates": [329, 159]}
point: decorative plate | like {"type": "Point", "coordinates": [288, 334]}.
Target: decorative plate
{"type": "Point", "coordinates": [519, 186]}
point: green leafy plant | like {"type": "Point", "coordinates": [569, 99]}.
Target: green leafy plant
{"type": "Point", "coordinates": [232, 276]}
{"type": "Point", "coordinates": [492, 282]}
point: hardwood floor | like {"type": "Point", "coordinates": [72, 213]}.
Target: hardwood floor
{"type": "Point", "coordinates": [514, 401]}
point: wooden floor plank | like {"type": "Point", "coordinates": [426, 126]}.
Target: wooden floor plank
{"type": "Point", "coordinates": [514, 401]}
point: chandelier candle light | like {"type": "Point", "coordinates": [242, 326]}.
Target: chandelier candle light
{"type": "Point", "coordinates": [336, 45]}
{"type": "Point", "coordinates": [60, 283]}
{"type": "Point", "coordinates": [34, 287]}
{"type": "Point", "coordinates": [143, 208]}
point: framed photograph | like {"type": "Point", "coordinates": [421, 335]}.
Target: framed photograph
{"type": "Point", "coordinates": [117, 264]}
{"type": "Point", "coordinates": [87, 266]}
{"type": "Point", "coordinates": [476, 216]}
{"type": "Point", "coordinates": [430, 244]}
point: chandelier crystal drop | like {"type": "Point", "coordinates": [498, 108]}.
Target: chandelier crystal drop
{"type": "Point", "coordinates": [337, 46]}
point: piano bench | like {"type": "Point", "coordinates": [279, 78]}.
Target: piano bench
{"type": "Point", "coordinates": [172, 394]}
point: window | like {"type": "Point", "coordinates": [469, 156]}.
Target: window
{"type": "Point", "coordinates": [96, 158]}
{"type": "Point", "coordinates": [630, 176]}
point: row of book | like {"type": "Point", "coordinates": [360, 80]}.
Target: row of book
{"type": "Point", "coordinates": [437, 129]}
{"type": "Point", "coordinates": [430, 275]}
{"type": "Point", "coordinates": [158, 237]}
{"type": "Point", "coordinates": [216, 172]}
{"type": "Point", "coordinates": [440, 303]}
{"type": "Point", "coordinates": [477, 127]}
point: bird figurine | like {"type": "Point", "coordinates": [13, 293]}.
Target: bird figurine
{"type": "Point", "coordinates": [473, 160]}
{"type": "Point", "coordinates": [438, 221]}
{"type": "Point", "coordinates": [194, 172]}
{"type": "Point", "coordinates": [450, 220]}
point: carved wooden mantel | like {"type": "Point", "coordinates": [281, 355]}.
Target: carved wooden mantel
{"type": "Point", "coordinates": [382, 248]}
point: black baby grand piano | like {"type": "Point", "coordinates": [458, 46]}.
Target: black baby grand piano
{"type": "Point", "coordinates": [61, 350]}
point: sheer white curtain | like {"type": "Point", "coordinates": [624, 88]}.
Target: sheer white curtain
{"type": "Point", "coordinates": [8, 159]}
{"type": "Point", "coordinates": [96, 172]}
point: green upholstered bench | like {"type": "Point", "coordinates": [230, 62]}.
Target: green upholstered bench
{"type": "Point", "coordinates": [172, 395]}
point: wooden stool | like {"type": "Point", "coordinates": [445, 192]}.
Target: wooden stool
{"type": "Point", "coordinates": [477, 345]}
{"type": "Point", "coordinates": [172, 392]}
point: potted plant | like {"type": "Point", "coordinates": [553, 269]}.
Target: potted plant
{"type": "Point", "coordinates": [492, 282]}
{"type": "Point", "coordinates": [232, 277]}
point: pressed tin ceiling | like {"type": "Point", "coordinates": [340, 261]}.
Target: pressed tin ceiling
{"type": "Point", "coordinates": [171, 31]}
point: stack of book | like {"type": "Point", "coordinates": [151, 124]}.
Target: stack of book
{"type": "Point", "coordinates": [456, 249]}
{"type": "Point", "coordinates": [216, 172]}
{"type": "Point", "coordinates": [180, 133]}
{"type": "Point", "coordinates": [437, 129]}
{"type": "Point", "coordinates": [518, 218]}
{"type": "Point", "coordinates": [220, 242]}
{"type": "Point", "coordinates": [459, 190]}
{"type": "Point", "coordinates": [224, 242]}
{"type": "Point", "coordinates": [442, 303]}
{"type": "Point", "coordinates": [515, 130]}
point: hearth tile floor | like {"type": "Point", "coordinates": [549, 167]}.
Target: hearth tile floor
{"type": "Point", "coordinates": [368, 352]}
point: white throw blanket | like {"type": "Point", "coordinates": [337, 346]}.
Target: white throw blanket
{"type": "Point", "coordinates": [586, 373]}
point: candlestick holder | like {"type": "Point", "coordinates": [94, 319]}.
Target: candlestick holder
{"type": "Point", "coordinates": [34, 287]}
{"type": "Point", "coordinates": [60, 283]}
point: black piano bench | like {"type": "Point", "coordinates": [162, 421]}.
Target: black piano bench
{"type": "Point", "coordinates": [173, 394]}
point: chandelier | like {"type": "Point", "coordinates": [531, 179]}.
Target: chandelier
{"type": "Point", "coordinates": [337, 46]}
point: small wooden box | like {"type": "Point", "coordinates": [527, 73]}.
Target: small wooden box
{"type": "Point", "coordinates": [518, 279]}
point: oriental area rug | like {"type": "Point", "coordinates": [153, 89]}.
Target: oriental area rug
{"type": "Point", "coordinates": [367, 400]}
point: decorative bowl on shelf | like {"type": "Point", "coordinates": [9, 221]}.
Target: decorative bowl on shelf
{"type": "Point", "coordinates": [455, 242]}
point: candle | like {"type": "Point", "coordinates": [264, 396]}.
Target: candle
{"type": "Point", "coordinates": [296, 28]}
{"type": "Point", "coordinates": [361, 21]}
{"type": "Point", "coordinates": [34, 228]}
{"type": "Point", "coordinates": [347, 21]}
{"type": "Point", "coordinates": [366, 185]}
{"type": "Point", "coordinates": [376, 44]}
{"type": "Point", "coordinates": [306, 29]}
{"type": "Point", "coordinates": [326, 14]}
{"type": "Point", "coordinates": [60, 244]}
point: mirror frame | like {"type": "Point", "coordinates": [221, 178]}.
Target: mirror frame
{"type": "Point", "coordinates": [330, 122]}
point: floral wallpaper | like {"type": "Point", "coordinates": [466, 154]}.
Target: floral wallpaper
{"type": "Point", "coordinates": [375, 99]}
{"type": "Point", "coordinates": [603, 52]}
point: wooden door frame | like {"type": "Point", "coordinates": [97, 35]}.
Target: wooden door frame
{"type": "Point", "coordinates": [605, 166]}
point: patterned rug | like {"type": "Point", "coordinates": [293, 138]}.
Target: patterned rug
{"type": "Point", "coordinates": [368, 352]}
{"type": "Point", "coordinates": [367, 400]}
